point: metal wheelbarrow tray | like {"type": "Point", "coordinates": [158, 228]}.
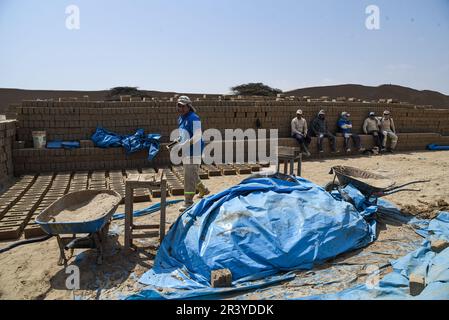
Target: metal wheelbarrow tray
{"type": "Point", "coordinates": [369, 184]}
{"type": "Point", "coordinates": [96, 227]}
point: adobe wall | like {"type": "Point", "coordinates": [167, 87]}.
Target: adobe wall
{"type": "Point", "coordinates": [77, 120]}
{"type": "Point", "coordinates": [7, 137]}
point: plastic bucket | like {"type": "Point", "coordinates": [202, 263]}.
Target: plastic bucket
{"type": "Point", "coordinates": [39, 139]}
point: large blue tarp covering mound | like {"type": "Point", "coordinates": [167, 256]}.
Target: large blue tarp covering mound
{"type": "Point", "coordinates": [258, 229]}
{"type": "Point", "coordinates": [103, 138]}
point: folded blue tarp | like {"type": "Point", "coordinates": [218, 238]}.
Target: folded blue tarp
{"type": "Point", "coordinates": [59, 144]}
{"type": "Point", "coordinates": [257, 229]}
{"type": "Point", "coordinates": [103, 138]}
{"type": "Point", "coordinates": [436, 147]}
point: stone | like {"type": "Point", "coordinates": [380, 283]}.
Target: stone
{"type": "Point", "coordinates": [221, 278]}
{"type": "Point", "coordinates": [439, 245]}
{"type": "Point", "coordinates": [417, 283]}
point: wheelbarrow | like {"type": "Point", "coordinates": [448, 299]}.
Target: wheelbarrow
{"type": "Point", "coordinates": [95, 228]}
{"type": "Point", "coordinates": [371, 185]}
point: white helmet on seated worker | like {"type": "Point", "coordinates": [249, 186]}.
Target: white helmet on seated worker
{"type": "Point", "coordinates": [386, 112]}
{"type": "Point", "coordinates": [299, 111]}
{"type": "Point", "coordinates": [345, 114]}
{"type": "Point", "coordinates": [372, 114]}
{"type": "Point", "coordinates": [185, 100]}
{"type": "Point", "coordinates": [321, 112]}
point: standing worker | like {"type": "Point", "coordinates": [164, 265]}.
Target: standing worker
{"type": "Point", "coordinates": [190, 140]}
{"type": "Point", "coordinates": [299, 132]}
{"type": "Point", "coordinates": [389, 131]}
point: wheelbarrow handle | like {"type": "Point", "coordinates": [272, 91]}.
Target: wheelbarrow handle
{"type": "Point", "coordinates": [407, 184]}
{"type": "Point", "coordinates": [387, 193]}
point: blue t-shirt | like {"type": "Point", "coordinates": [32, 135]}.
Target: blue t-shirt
{"type": "Point", "coordinates": [189, 122]}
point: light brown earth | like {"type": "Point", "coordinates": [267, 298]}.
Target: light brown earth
{"type": "Point", "coordinates": [31, 271]}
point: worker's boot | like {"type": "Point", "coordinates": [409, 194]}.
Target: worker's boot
{"type": "Point", "coordinates": [188, 202]}
{"type": "Point", "coordinates": [202, 190]}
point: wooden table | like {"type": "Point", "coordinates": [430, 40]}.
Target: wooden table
{"type": "Point", "coordinates": [149, 181]}
{"type": "Point", "coordinates": [288, 156]}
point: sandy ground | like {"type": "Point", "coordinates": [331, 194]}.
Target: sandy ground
{"type": "Point", "coordinates": [31, 271]}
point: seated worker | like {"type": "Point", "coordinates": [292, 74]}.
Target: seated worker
{"type": "Point", "coordinates": [388, 131]}
{"type": "Point", "coordinates": [344, 125]}
{"type": "Point", "coordinates": [299, 132]}
{"type": "Point", "coordinates": [319, 129]}
{"type": "Point", "coordinates": [371, 126]}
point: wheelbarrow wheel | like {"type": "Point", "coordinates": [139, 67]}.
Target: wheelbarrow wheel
{"type": "Point", "coordinates": [332, 185]}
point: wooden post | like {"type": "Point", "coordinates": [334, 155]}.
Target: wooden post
{"type": "Point", "coordinates": [129, 199]}
{"type": "Point", "coordinates": [162, 220]}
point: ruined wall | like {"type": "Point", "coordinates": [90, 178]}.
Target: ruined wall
{"type": "Point", "coordinates": [7, 137]}
{"type": "Point", "coordinates": [77, 120]}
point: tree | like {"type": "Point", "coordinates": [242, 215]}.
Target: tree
{"type": "Point", "coordinates": [255, 89]}
{"type": "Point", "coordinates": [116, 92]}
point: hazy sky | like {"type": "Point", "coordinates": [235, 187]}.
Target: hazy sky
{"type": "Point", "coordinates": [211, 45]}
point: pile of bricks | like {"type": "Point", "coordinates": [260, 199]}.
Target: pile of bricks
{"type": "Point", "coordinates": [7, 137]}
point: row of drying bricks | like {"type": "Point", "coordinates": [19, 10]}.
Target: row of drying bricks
{"type": "Point", "coordinates": [29, 196]}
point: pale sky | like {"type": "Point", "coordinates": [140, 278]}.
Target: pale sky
{"type": "Point", "coordinates": [211, 45]}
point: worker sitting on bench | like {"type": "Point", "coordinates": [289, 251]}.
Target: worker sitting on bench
{"type": "Point", "coordinates": [299, 132]}
{"type": "Point", "coordinates": [344, 125]}
{"type": "Point", "coordinates": [388, 131]}
{"type": "Point", "coordinates": [319, 129]}
{"type": "Point", "coordinates": [371, 126]}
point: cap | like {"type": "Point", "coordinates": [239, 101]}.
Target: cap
{"type": "Point", "coordinates": [345, 114]}
{"type": "Point", "coordinates": [321, 112]}
{"type": "Point", "coordinates": [386, 112]}
{"type": "Point", "coordinates": [372, 113]}
{"type": "Point", "coordinates": [185, 100]}
{"type": "Point", "coordinates": [299, 111]}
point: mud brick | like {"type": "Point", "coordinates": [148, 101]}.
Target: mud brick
{"type": "Point", "coordinates": [417, 284]}
{"type": "Point", "coordinates": [211, 170]}
{"type": "Point", "coordinates": [227, 169]}
{"type": "Point", "coordinates": [221, 278]}
{"type": "Point", "coordinates": [33, 231]}
{"type": "Point", "coordinates": [9, 233]}
{"type": "Point", "coordinates": [439, 245]}
{"type": "Point", "coordinates": [242, 169]}
{"type": "Point", "coordinates": [255, 167]}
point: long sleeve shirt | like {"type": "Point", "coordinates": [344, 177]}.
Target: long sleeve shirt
{"type": "Point", "coordinates": [371, 125]}
{"type": "Point", "coordinates": [299, 126]}
{"type": "Point", "coordinates": [344, 125]}
{"type": "Point", "coordinates": [319, 126]}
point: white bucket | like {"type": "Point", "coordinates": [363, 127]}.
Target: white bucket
{"type": "Point", "coordinates": [39, 139]}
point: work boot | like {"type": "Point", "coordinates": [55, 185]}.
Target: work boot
{"type": "Point", "coordinates": [306, 153]}
{"type": "Point", "coordinates": [188, 202]}
{"type": "Point", "coordinates": [202, 190]}
{"type": "Point", "coordinates": [348, 150]}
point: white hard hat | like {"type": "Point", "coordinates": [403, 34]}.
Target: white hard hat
{"type": "Point", "coordinates": [386, 112]}
{"type": "Point", "coordinates": [321, 112]}
{"type": "Point", "coordinates": [345, 114]}
{"type": "Point", "coordinates": [299, 111]}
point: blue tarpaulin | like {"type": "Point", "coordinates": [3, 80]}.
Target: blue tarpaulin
{"type": "Point", "coordinates": [436, 147]}
{"type": "Point", "coordinates": [259, 229]}
{"type": "Point", "coordinates": [434, 267]}
{"type": "Point", "coordinates": [103, 138]}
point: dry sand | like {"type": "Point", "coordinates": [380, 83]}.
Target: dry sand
{"type": "Point", "coordinates": [31, 271]}
{"type": "Point", "coordinates": [87, 210]}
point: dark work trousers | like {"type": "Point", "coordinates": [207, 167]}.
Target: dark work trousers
{"type": "Point", "coordinates": [332, 141]}
{"type": "Point", "coordinates": [377, 137]}
{"type": "Point", "coordinates": [355, 139]}
{"type": "Point", "coordinates": [303, 141]}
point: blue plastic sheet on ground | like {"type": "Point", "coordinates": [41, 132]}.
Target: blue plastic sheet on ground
{"type": "Point", "coordinates": [103, 138]}
{"type": "Point", "coordinates": [258, 229]}
{"type": "Point", "coordinates": [139, 213]}
{"type": "Point", "coordinates": [59, 144]}
{"type": "Point", "coordinates": [437, 147]}
{"type": "Point", "coordinates": [434, 267]}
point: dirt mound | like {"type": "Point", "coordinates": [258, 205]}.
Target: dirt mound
{"type": "Point", "coordinates": [426, 210]}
